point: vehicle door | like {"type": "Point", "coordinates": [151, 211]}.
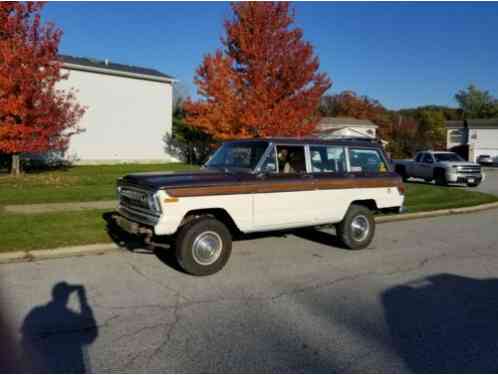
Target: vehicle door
{"type": "Point", "coordinates": [329, 171]}
{"type": "Point", "coordinates": [283, 192]}
{"type": "Point", "coordinates": [413, 168]}
{"type": "Point", "coordinates": [369, 169]}
{"type": "Point", "coordinates": [425, 166]}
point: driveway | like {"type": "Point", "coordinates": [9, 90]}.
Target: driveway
{"type": "Point", "coordinates": [490, 185]}
{"type": "Point", "coordinates": [422, 298]}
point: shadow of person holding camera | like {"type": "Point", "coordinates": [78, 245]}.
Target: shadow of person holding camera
{"type": "Point", "coordinates": [54, 336]}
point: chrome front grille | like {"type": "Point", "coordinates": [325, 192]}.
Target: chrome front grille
{"type": "Point", "coordinates": [470, 169]}
{"type": "Point", "coordinates": [136, 205]}
{"type": "Point", "coordinates": [135, 198]}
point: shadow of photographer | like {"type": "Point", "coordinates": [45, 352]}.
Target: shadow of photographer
{"type": "Point", "coordinates": [54, 336]}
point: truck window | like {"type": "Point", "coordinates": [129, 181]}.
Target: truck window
{"type": "Point", "coordinates": [328, 159]}
{"type": "Point", "coordinates": [427, 158]}
{"type": "Point", "coordinates": [366, 161]}
{"type": "Point", "coordinates": [419, 157]}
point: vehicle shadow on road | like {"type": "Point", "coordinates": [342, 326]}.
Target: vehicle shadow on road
{"type": "Point", "coordinates": [319, 236]}
{"type": "Point", "coordinates": [54, 336]}
{"type": "Point", "coordinates": [445, 324]}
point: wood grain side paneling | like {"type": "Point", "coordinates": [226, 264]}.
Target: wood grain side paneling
{"type": "Point", "coordinates": [269, 186]}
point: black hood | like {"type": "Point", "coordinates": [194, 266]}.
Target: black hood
{"type": "Point", "coordinates": [164, 180]}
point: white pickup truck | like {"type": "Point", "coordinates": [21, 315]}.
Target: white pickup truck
{"type": "Point", "coordinates": [441, 166]}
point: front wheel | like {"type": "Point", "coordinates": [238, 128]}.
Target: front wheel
{"type": "Point", "coordinates": [203, 246]}
{"type": "Point", "coordinates": [474, 184]}
{"type": "Point", "coordinates": [441, 179]}
{"type": "Point", "coordinates": [357, 229]}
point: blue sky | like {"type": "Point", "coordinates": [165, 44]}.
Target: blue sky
{"type": "Point", "coordinates": [403, 54]}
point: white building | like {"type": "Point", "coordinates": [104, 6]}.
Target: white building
{"type": "Point", "coordinates": [473, 137]}
{"type": "Point", "coordinates": [129, 111]}
{"type": "Point", "coordinates": [345, 127]}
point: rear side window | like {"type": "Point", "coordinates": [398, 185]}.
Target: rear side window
{"type": "Point", "coordinates": [328, 159]}
{"type": "Point", "coordinates": [364, 160]}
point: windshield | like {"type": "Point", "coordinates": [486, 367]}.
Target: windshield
{"type": "Point", "coordinates": [448, 156]}
{"type": "Point", "coordinates": [245, 155]}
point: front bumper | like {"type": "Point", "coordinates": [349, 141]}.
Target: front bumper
{"type": "Point", "coordinates": [464, 178]}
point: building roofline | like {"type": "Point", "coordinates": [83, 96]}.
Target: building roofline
{"type": "Point", "coordinates": [87, 65]}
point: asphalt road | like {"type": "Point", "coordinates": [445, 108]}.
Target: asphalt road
{"type": "Point", "coordinates": [422, 298]}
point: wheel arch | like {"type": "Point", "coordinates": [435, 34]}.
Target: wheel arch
{"type": "Point", "coordinates": [216, 212]}
{"type": "Point", "coordinates": [371, 204]}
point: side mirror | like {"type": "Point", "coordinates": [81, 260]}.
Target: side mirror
{"type": "Point", "coordinates": [269, 168]}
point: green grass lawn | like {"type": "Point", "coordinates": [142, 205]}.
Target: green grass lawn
{"type": "Point", "coordinates": [76, 184]}
{"type": "Point", "coordinates": [29, 232]}
{"type": "Point", "coordinates": [427, 197]}
{"type": "Point", "coordinates": [44, 231]}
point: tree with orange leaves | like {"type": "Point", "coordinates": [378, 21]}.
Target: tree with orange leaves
{"type": "Point", "coordinates": [349, 104]}
{"type": "Point", "coordinates": [35, 117]}
{"type": "Point", "coordinates": [264, 83]}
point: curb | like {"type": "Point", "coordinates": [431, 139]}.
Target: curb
{"type": "Point", "coordinates": [435, 213]}
{"type": "Point", "coordinates": [61, 252]}
{"type": "Point", "coordinates": [104, 248]}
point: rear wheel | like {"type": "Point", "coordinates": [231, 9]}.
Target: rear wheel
{"type": "Point", "coordinates": [203, 246]}
{"type": "Point", "coordinates": [440, 178]}
{"type": "Point", "coordinates": [474, 184]}
{"type": "Point", "coordinates": [357, 229]}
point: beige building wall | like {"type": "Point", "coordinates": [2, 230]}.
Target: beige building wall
{"type": "Point", "coordinates": [126, 119]}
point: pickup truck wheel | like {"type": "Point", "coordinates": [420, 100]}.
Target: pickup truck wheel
{"type": "Point", "coordinates": [357, 229]}
{"type": "Point", "coordinates": [440, 179]}
{"type": "Point", "coordinates": [203, 246]}
{"type": "Point", "coordinates": [474, 184]}
{"type": "Point", "coordinates": [402, 173]}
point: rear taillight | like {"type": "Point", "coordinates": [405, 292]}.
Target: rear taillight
{"type": "Point", "coordinates": [401, 189]}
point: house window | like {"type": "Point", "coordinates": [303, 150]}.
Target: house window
{"type": "Point", "coordinates": [456, 136]}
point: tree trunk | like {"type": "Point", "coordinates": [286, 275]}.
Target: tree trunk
{"type": "Point", "coordinates": [15, 169]}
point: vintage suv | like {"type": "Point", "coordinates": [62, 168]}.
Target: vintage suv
{"type": "Point", "coordinates": [261, 185]}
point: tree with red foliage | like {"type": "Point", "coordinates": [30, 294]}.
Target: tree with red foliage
{"type": "Point", "coordinates": [35, 117]}
{"type": "Point", "coordinates": [349, 104]}
{"type": "Point", "coordinates": [264, 83]}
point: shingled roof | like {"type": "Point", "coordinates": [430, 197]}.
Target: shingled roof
{"type": "Point", "coordinates": [106, 65]}
{"type": "Point", "coordinates": [473, 123]}
{"type": "Point", "coordinates": [337, 122]}
{"type": "Point", "coordinates": [483, 123]}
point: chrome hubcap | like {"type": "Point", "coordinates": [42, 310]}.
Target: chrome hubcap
{"type": "Point", "coordinates": [207, 248]}
{"type": "Point", "coordinates": [360, 227]}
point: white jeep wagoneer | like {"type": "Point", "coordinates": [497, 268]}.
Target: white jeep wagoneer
{"type": "Point", "coordinates": [261, 185]}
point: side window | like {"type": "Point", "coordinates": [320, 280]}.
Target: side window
{"type": "Point", "coordinates": [291, 159]}
{"type": "Point", "coordinates": [366, 161]}
{"type": "Point", "coordinates": [419, 157]}
{"type": "Point", "coordinates": [270, 163]}
{"type": "Point", "coordinates": [327, 159]}
{"type": "Point", "coordinates": [427, 158]}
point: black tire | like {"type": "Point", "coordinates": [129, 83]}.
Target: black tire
{"type": "Point", "coordinates": [346, 233]}
{"type": "Point", "coordinates": [473, 184]}
{"type": "Point", "coordinates": [402, 173]}
{"type": "Point", "coordinates": [213, 231]}
{"type": "Point", "coordinates": [440, 178]}
{"type": "Point", "coordinates": [428, 179]}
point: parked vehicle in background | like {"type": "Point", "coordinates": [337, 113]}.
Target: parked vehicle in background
{"type": "Point", "coordinates": [443, 167]}
{"type": "Point", "coordinates": [261, 185]}
{"type": "Point", "coordinates": [486, 160]}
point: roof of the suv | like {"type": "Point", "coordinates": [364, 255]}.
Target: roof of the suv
{"type": "Point", "coordinates": [303, 141]}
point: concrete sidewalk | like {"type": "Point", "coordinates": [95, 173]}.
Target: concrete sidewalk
{"type": "Point", "coordinates": [29, 209]}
